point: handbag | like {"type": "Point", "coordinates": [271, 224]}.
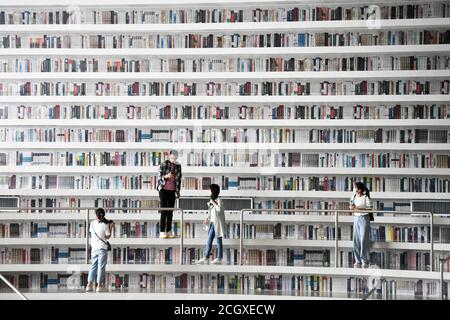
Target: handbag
{"type": "Point", "coordinates": [105, 242]}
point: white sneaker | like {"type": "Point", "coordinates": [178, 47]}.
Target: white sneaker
{"type": "Point", "coordinates": [169, 235]}
{"type": "Point", "coordinates": [89, 289]}
{"type": "Point", "coordinates": [203, 261]}
{"type": "Point", "coordinates": [217, 261]}
{"type": "Point", "coordinates": [162, 235]}
{"type": "Point", "coordinates": [366, 265]}
{"type": "Point", "coordinates": [357, 265]}
{"type": "Point", "coordinates": [101, 289]}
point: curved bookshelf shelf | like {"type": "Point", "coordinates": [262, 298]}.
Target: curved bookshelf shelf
{"type": "Point", "coordinates": [359, 99]}
{"type": "Point", "coordinates": [230, 217]}
{"type": "Point", "coordinates": [209, 76]}
{"type": "Point", "coordinates": [221, 146]}
{"type": "Point", "coordinates": [284, 270]}
{"type": "Point", "coordinates": [300, 26]}
{"type": "Point", "coordinates": [433, 49]}
{"type": "Point", "coordinates": [226, 193]}
{"type": "Point", "coordinates": [227, 123]}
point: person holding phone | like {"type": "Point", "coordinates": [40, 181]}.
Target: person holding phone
{"type": "Point", "coordinates": [360, 202]}
{"type": "Point", "coordinates": [216, 226]}
{"type": "Point", "coordinates": [169, 182]}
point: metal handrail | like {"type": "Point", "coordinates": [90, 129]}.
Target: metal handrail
{"type": "Point", "coordinates": [88, 209]}
{"type": "Point", "coordinates": [336, 213]}
{"type": "Point", "coordinates": [367, 295]}
{"type": "Point", "coordinates": [241, 244]}
{"type": "Point", "coordinates": [13, 288]}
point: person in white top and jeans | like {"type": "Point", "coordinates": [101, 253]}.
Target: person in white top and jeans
{"type": "Point", "coordinates": [216, 227]}
{"type": "Point", "coordinates": [100, 230]}
{"type": "Point", "coordinates": [361, 202]}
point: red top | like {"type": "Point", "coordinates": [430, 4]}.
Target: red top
{"type": "Point", "coordinates": [170, 183]}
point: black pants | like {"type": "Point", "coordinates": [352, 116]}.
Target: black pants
{"type": "Point", "coordinates": [166, 200]}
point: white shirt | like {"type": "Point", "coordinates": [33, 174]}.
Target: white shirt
{"type": "Point", "coordinates": [102, 230]}
{"type": "Point", "coordinates": [362, 202]}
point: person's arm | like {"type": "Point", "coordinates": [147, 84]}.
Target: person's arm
{"type": "Point", "coordinates": [178, 182]}
{"type": "Point", "coordinates": [208, 217]}
{"type": "Point", "coordinates": [108, 231]}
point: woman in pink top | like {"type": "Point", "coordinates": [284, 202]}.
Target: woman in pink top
{"type": "Point", "coordinates": [169, 182]}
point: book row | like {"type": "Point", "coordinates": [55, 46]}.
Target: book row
{"type": "Point", "coordinates": [238, 64]}
{"type": "Point", "coordinates": [392, 260]}
{"type": "Point", "coordinates": [260, 88]}
{"type": "Point", "coordinates": [224, 15]}
{"type": "Point", "coordinates": [239, 160]}
{"type": "Point", "coordinates": [265, 183]}
{"type": "Point", "coordinates": [192, 230]}
{"type": "Point", "coordinates": [126, 205]}
{"type": "Point", "coordinates": [243, 112]}
{"type": "Point", "coordinates": [225, 135]}
{"type": "Point", "coordinates": [228, 39]}
{"type": "Point", "coordinates": [305, 285]}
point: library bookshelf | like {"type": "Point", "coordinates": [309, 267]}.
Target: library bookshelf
{"type": "Point", "coordinates": [393, 83]}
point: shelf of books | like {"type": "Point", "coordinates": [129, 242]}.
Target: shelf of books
{"type": "Point", "coordinates": [285, 102]}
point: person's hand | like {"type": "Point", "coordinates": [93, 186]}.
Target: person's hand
{"type": "Point", "coordinates": [168, 176]}
{"type": "Point", "coordinates": [352, 207]}
{"type": "Point", "coordinates": [205, 221]}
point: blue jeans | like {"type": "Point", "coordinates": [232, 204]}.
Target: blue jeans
{"type": "Point", "coordinates": [211, 235]}
{"type": "Point", "coordinates": [98, 262]}
{"type": "Point", "coordinates": [361, 238]}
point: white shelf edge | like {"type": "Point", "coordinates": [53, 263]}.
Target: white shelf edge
{"type": "Point", "coordinates": [344, 25]}
{"type": "Point", "coordinates": [428, 98]}
{"type": "Point", "coordinates": [209, 76]}
{"type": "Point", "coordinates": [226, 123]}
{"type": "Point", "coordinates": [282, 51]}
{"type": "Point", "coordinates": [221, 146]}
{"type": "Point", "coordinates": [259, 194]}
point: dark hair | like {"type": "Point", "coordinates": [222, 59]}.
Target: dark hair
{"type": "Point", "coordinates": [100, 213]}
{"type": "Point", "coordinates": [215, 190]}
{"type": "Point", "coordinates": [361, 186]}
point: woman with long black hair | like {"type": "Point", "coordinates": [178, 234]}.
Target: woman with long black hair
{"type": "Point", "coordinates": [216, 226]}
{"type": "Point", "coordinates": [361, 202]}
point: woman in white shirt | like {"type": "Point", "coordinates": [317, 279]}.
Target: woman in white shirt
{"type": "Point", "coordinates": [217, 227]}
{"type": "Point", "coordinates": [361, 202]}
{"type": "Point", "coordinates": [100, 230]}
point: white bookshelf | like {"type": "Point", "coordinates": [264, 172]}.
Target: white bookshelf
{"type": "Point", "coordinates": [218, 123]}
{"type": "Point", "coordinates": [177, 3]}
{"type": "Point", "coordinates": [346, 272]}
{"type": "Point", "coordinates": [429, 98]}
{"type": "Point", "coordinates": [221, 146]}
{"type": "Point", "coordinates": [275, 194]}
{"type": "Point", "coordinates": [313, 26]}
{"type": "Point", "coordinates": [238, 170]}
{"type": "Point", "coordinates": [211, 76]}
{"type": "Point", "coordinates": [241, 52]}
{"type": "Point", "coordinates": [233, 243]}
{"type": "Point", "coordinates": [230, 217]}
{"type": "Point", "coordinates": [202, 77]}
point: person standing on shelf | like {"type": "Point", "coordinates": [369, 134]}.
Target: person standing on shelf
{"type": "Point", "coordinates": [360, 201]}
{"type": "Point", "coordinates": [217, 226]}
{"type": "Point", "coordinates": [169, 183]}
{"type": "Point", "coordinates": [100, 230]}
